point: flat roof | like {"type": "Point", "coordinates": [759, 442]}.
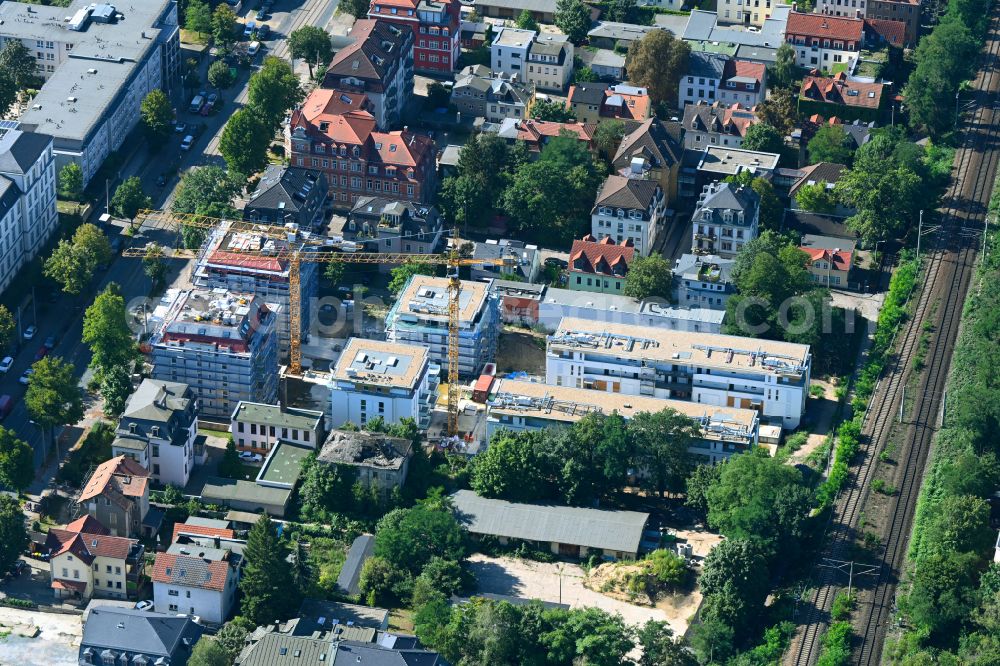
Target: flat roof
{"type": "Point", "coordinates": [514, 37]}
{"type": "Point", "coordinates": [710, 350]}
{"type": "Point", "coordinates": [548, 523]}
{"type": "Point", "coordinates": [728, 160]}
{"type": "Point", "coordinates": [245, 491]}
{"type": "Point", "coordinates": [609, 304]}
{"type": "Point", "coordinates": [277, 415]}
{"type": "Point", "coordinates": [283, 465]}
{"type": "Point", "coordinates": [426, 297]}
{"type": "Point", "coordinates": [382, 363]}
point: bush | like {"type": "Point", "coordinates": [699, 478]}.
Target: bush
{"type": "Point", "coordinates": [836, 645]}
{"type": "Point", "coordinates": [843, 604]}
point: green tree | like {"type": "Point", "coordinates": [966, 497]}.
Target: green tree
{"type": "Point", "coordinates": [660, 648]}
{"type": "Point", "coordinates": [589, 461]}
{"type": "Point", "coordinates": [311, 44]}
{"type": "Point", "coordinates": [244, 142]}
{"type": "Point", "coordinates": [201, 187]}
{"type": "Point", "coordinates": [511, 468]}
{"type": "Point", "coordinates": [13, 532]}
{"type": "Point", "coordinates": [621, 11]}
{"type": "Point", "coordinates": [657, 62]}
{"type": "Point", "coordinates": [129, 199]}
{"type": "Point", "coordinates": [231, 467]}
{"type": "Point", "coordinates": [232, 636]}
{"type": "Point", "coordinates": [17, 462]}
{"type": "Point", "coordinates": [702, 478]}
{"type": "Point", "coordinates": [326, 489]}
{"type": "Point", "coordinates": [154, 265]}
{"type": "Point", "coordinates": [762, 137]}
{"type": "Point", "coordinates": [379, 579]}
{"type": "Point", "coordinates": [356, 8]}
{"type": "Point", "coordinates": [68, 267]}
{"type": "Point", "coordinates": [220, 75]}
{"type": "Point", "coordinates": [272, 91]}
{"type": "Point", "coordinates": [961, 524]}
{"type": "Point", "coordinates": [649, 277]}
{"type": "Point", "coordinates": [7, 326]}
{"type": "Point", "coordinates": [223, 25]}
{"type": "Point", "coordinates": [585, 75]}
{"type": "Point", "coordinates": [552, 111]}
{"type": "Point", "coordinates": [416, 535]}
{"type": "Point", "coordinates": [266, 582]}
{"type": "Point", "coordinates": [830, 144]}
{"type": "Point", "coordinates": [207, 652]}
{"type": "Point", "coordinates": [608, 136]}
{"type": "Point", "coordinates": [106, 331]}
{"type": "Point", "coordinates": [661, 444]}
{"type": "Point", "coordinates": [589, 636]}
{"type": "Point", "coordinates": [157, 114]}
{"type": "Point", "coordinates": [482, 174]}
{"type": "Point", "coordinates": [942, 592]}
{"type": "Point", "coordinates": [401, 274]}
{"type": "Point", "coordinates": [740, 565]}
{"type": "Point", "coordinates": [573, 18]}
{"type": "Point", "coordinates": [198, 17]}
{"type": "Point", "coordinates": [526, 21]}
{"type": "Point", "coordinates": [116, 386]}
{"type": "Point", "coordinates": [92, 244]}
{"type": "Point", "coordinates": [816, 198]}
{"type": "Point", "coordinates": [71, 182]}
{"type": "Point", "coordinates": [712, 641]}
{"type": "Point", "coordinates": [53, 396]}
{"type": "Point", "coordinates": [8, 92]}
{"type": "Point", "coordinates": [784, 72]}
{"type": "Point", "coordinates": [18, 63]}
{"type": "Point", "coordinates": [779, 111]}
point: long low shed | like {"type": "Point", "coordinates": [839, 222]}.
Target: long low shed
{"type": "Point", "coordinates": [565, 530]}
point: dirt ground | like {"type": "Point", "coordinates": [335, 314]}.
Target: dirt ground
{"type": "Point", "coordinates": [56, 643]}
{"type": "Point", "coordinates": [821, 412]}
{"type": "Point", "coordinates": [521, 350]}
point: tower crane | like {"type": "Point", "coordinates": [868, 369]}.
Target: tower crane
{"type": "Point", "coordinates": [317, 249]}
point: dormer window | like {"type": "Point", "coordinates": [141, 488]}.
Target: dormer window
{"type": "Point", "coordinates": [620, 212]}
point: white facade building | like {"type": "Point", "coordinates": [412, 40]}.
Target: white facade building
{"type": "Point", "coordinates": [726, 218]}
{"type": "Point", "coordinates": [629, 209]}
{"type": "Point", "coordinates": [258, 427]}
{"type": "Point", "coordinates": [374, 378]}
{"type": "Point", "coordinates": [192, 579]}
{"type": "Point", "coordinates": [718, 370]}
{"type": "Point", "coordinates": [509, 50]}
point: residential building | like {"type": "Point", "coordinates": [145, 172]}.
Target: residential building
{"type": "Point", "coordinates": [725, 219]}
{"type": "Point", "coordinates": [113, 635]}
{"type": "Point", "coordinates": [629, 210]}
{"type": "Point", "coordinates": [881, 33]}
{"type": "Point", "coordinates": [312, 611]}
{"type": "Point", "coordinates": [716, 163]}
{"type": "Point", "coordinates": [701, 80]}
{"type": "Point", "coordinates": [584, 101]}
{"type": "Point", "coordinates": [654, 312]}
{"type": "Point", "coordinates": [612, 35]}
{"type": "Point", "coordinates": [550, 62]}
{"type": "Point", "coordinates": [221, 344]}
{"type": "Point", "coordinates": [196, 580]}
{"type": "Point", "coordinates": [651, 150]}
{"type": "Point", "coordinates": [247, 496]}
{"type": "Point", "coordinates": [716, 125]}
{"type": "Point", "coordinates": [743, 83]}
{"type": "Point", "coordinates": [703, 281]}
{"type": "Point", "coordinates": [390, 225]}
{"type": "Point", "coordinates": [478, 92]}
{"type": "Point", "coordinates": [225, 262]}
{"type": "Point", "coordinates": [283, 465]}
{"type": "Point", "coordinates": [258, 427]}
{"type": "Point", "coordinates": [27, 198]}
{"type": "Point", "coordinates": [509, 50]}
{"type": "Point", "coordinates": [379, 461]}
{"type": "Point", "coordinates": [420, 317]}
{"type": "Point", "coordinates": [289, 195]}
{"type": "Point", "coordinates": [85, 561]}
{"type": "Point", "coordinates": [195, 529]}
{"type": "Point", "coordinates": [274, 649]}
{"type": "Point", "coordinates": [358, 160]}
{"type": "Point", "coordinates": [565, 531]}
{"type": "Point", "coordinates": [374, 378]}
{"type": "Point", "coordinates": [519, 301]}
{"type": "Point", "coordinates": [519, 405]}
{"type": "Point", "coordinates": [592, 102]}
{"type": "Point", "coordinates": [830, 260]}
{"type": "Point", "coordinates": [537, 133]}
{"type": "Point", "coordinates": [474, 33]}
{"type": "Point", "coordinates": [722, 370]}
{"type": "Point", "coordinates": [828, 173]}
{"type": "Point", "coordinates": [117, 496]}
{"type": "Point", "coordinates": [521, 260]}
{"type": "Point", "coordinates": [158, 430]}
{"type": "Point", "coordinates": [824, 42]}
{"type": "Point", "coordinates": [708, 30]}
{"type": "Point", "coordinates": [741, 12]}
{"type": "Point", "coordinates": [599, 266]}
{"type": "Point", "coordinates": [98, 66]}
{"type": "Point", "coordinates": [436, 24]}
{"type": "Point", "coordinates": [904, 11]}
{"type": "Point", "coordinates": [378, 64]}
{"type": "Point", "coordinates": [841, 97]}
{"type": "Point", "coordinates": [765, 55]}
{"type": "Point", "coordinates": [543, 11]}
{"type": "Point", "coordinates": [608, 65]}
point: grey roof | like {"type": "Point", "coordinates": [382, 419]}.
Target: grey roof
{"type": "Point", "coordinates": [20, 150]}
{"type": "Point", "coordinates": [703, 26]}
{"type": "Point", "coordinates": [130, 443]}
{"type": "Point", "coordinates": [690, 266]}
{"type": "Point", "coordinates": [9, 195]}
{"type": "Point", "coordinates": [827, 172]}
{"type": "Point", "coordinates": [549, 44]}
{"type": "Point", "coordinates": [419, 222]}
{"type": "Point", "coordinates": [592, 528]}
{"type": "Point", "coordinates": [628, 193]}
{"type": "Point", "coordinates": [156, 400]}
{"type": "Point", "coordinates": [607, 58]}
{"type": "Point", "coordinates": [754, 53]}
{"type": "Point", "coordinates": [285, 187]}
{"type": "Point", "coordinates": [368, 449]}
{"type": "Point", "coordinates": [604, 307]}
{"type": "Point", "coordinates": [817, 223]}
{"type": "Point", "coordinates": [590, 93]}
{"type": "Point", "coordinates": [222, 490]}
{"type": "Point", "coordinates": [275, 649]}
{"type": "Point", "coordinates": [653, 140]}
{"type": "Point", "coordinates": [718, 197]}
{"type": "Point", "coordinates": [139, 632]}
{"type": "Point", "coordinates": [496, 86]}
{"type": "Point", "coordinates": [509, 36]}
{"type": "Point", "coordinates": [728, 160]}
{"type": "Point", "coordinates": [522, 254]}
{"type": "Point", "coordinates": [622, 31]}
{"type": "Point", "coordinates": [350, 571]}
{"type": "Point", "coordinates": [279, 415]}
{"type": "Point", "coordinates": [708, 65]}
{"type": "Point", "coordinates": [450, 155]}
{"type": "Point", "coordinates": [344, 613]}
{"type": "Point", "coordinates": [545, 6]}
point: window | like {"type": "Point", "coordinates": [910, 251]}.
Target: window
{"type": "Point", "coordinates": [173, 593]}
{"type": "Point", "coordinates": [239, 427]}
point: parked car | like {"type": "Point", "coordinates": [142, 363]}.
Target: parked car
{"type": "Point", "coordinates": [144, 605]}
{"type": "Point", "coordinates": [6, 405]}
{"type": "Point", "coordinates": [5, 364]}
{"type": "Point", "coordinates": [26, 376]}
{"type": "Point", "coordinates": [30, 332]}
{"type": "Point", "coordinates": [247, 456]}
{"type": "Point", "coordinates": [196, 103]}
{"type": "Point", "coordinates": [50, 342]}
{"type": "Point", "coordinates": [556, 262]}
{"type": "Point", "coordinates": [253, 48]}
{"type": "Point", "coordinates": [186, 143]}
{"type": "Point", "coordinates": [261, 14]}
{"type": "Point", "coordinates": [263, 31]}
{"type": "Point", "coordinates": [42, 352]}
{"type": "Point", "coordinates": [249, 28]}
{"type": "Point", "coordinates": [210, 104]}
{"type": "Point", "coordinates": [180, 128]}
{"type": "Point", "coordinates": [162, 179]}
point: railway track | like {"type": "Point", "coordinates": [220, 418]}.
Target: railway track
{"type": "Point", "coordinates": [947, 273]}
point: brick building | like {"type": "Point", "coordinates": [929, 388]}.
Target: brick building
{"type": "Point", "coordinates": [436, 25]}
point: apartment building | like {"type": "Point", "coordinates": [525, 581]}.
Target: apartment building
{"type": "Point", "coordinates": [222, 264]}
{"type": "Point", "coordinates": [289, 195]}
{"type": "Point", "coordinates": [743, 83]}
{"type": "Point", "coordinates": [509, 50]}
{"type": "Point", "coordinates": [85, 562]}
{"type": "Point", "coordinates": [703, 281]}
{"type": "Point", "coordinates": [822, 41]}
{"type": "Point", "coordinates": [420, 317]}
{"type": "Point", "coordinates": [479, 93]}
{"type": "Point", "coordinates": [599, 266]}
{"type": "Point", "coordinates": [651, 150]}
{"type": "Point", "coordinates": [904, 11]}
{"type": "Point", "coordinates": [719, 370]}
{"type": "Point", "coordinates": [629, 210]}
{"type": "Point", "coordinates": [374, 378]}
{"type": "Point", "coordinates": [258, 427]}
{"type": "Point", "coordinates": [436, 24]}
{"type": "Point", "coordinates": [158, 430]}
{"type": "Point", "coordinates": [390, 225]}
{"type": "Point", "coordinates": [700, 82]}
{"type": "Point", "coordinates": [221, 344]}
{"type": "Point", "coordinates": [744, 12]}
{"type": "Point", "coordinates": [192, 579]}
{"type": "Point", "coordinates": [520, 405]}
{"type": "Point", "coordinates": [550, 62]}
{"type": "Point", "coordinates": [726, 218]}
{"type": "Point", "coordinates": [716, 125]}
{"type": "Point", "coordinates": [117, 496]}
{"type": "Point", "coordinates": [375, 71]}
{"type": "Point", "coordinates": [99, 62]}
{"type": "Point", "coordinates": [379, 461]}
{"type": "Point", "coordinates": [593, 102]}
{"type": "Point", "coordinates": [608, 307]}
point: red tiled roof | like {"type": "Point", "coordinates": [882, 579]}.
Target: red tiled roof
{"type": "Point", "coordinates": [190, 571]}
{"type": "Point", "coordinates": [201, 530]}
{"type": "Point", "coordinates": [88, 546]}
{"type": "Point", "coordinates": [604, 256]}
{"type": "Point", "coordinates": [841, 259]}
{"type": "Point", "coordinates": [532, 130]}
{"type": "Point", "coordinates": [894, 32]}
{"type": "Point", "coordinates": [323, 102]}
{"type": "Point", "coordinates": [402, 148]}
{"type": "Point", "coordinates": [744, 68]}
{"type": "Point", "coordinates": [69, 585]}
{"type": "Point", "coordinates": [839, 90]}
{"type": "Point", "coordinates": [824, 26]}
{"type": "Point", "coordinates": [122, 475]}
{"type": "Point", "coordinates": [87, 524]}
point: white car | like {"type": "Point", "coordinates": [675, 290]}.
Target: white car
{"type": "Point", "coordinates": [6, 363]}
{"type": "Point", "coordinates": [253, 49]}
{"type": "Point", "coordinates": [247, 456]}
{"type": "Point", "coordinates": [186, 143]}
{"type": "Point", "coordinates": [144, 605]}
{"type": "Point", "coordinates": [26, 376]}
{"type": "Point", "coordinates": [30, 332]}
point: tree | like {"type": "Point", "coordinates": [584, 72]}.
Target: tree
{"type": "Point", "coordinates": [303, 573]}
{"type": "Point", "coordinates": [784, 72]}
{"type": "Point", "coordinates": [702, 478]}
{"type": "Point", "coordinates": [7, 326]}
{"type": "Point", "coordinates": [552, 111]}
{"type": "Point", "coordinates": [68, 267]}
{"type": "Point", "coordinates": [325, 489]}
{"type": "Point", "coordinates": [231, 467]}
{"type": "Point", "coordinates": [942, 592]}
{"type": "Point", "coordinates": [198, 17]}
{"type": "Point", "coordinates": [585, 75]}
{"type": "Point", "coordinates": [621, 11]}
{"type": "Point", "coordinates": [401, 274]}
{"type": "Point", "coordinates": [232, 636]}
{"type": "Point", "coordinates": [649, 277]}
{"type": "Point", "coordinates": [712, 640]}
{"type": "Point", "coordinates": [661, 445]}
{"type": "Point", "coordinates": [220, 75]}
{"type": "Point", "coordinates": [660, 648]}
{"type": "Point", "coordinates": [573, 18]}
{"type": "Point", "coordinates": [53, 396]}
{"type": "Point", "coordinates": [764, 138]}
{"type": "Point", "coordinates": [588, 636]}
{"type": "Point", "coordinates": [511, 468]}
{"type": "Point", "coordinates": [129, 199]}
{"type": "Point", "coordinates": [526, 21]}
{"type": "Point", "coordinates": [657, 62]}
{"type": "Point", "coordinates": [267, 582]}
{"type": "Point", "coordinates": [334, 272]}
{"type": "Point", "coordinates": [830, 144]}
{"type": "Point", "coordinates": [106, 331]}
{"type": "Point", "coordinates": [476, 190]}
{"type": "Point", "coordinates": [414, 536]}
{"type": "Point", "coordinates": [71, 182]}
{"type": "Point", "coordinates": [816, 198]}
{"type": "Point", "coordinates": [272, 91]}
{"type": "Point", "coordinates": [201, 187]}
{"type": "Point", "coordinates": [961, 524]}
{"type": "Point", "coordinates": [18, 63]}
{"type": "Point", "coordinates": [356, 8]}
{"type": "Point", "coordinates": [93, 244]}
{"type": "Point", "coordinates": [740, 565]}
{"type": "Point", "coordinates": [17, 462]}
{"type": "Point", "coordinates": [154, 265]}
{"type": "Point", "coordinates": [207, 651]}
{"type": "Point", "coordinates": [223, 25]}
{"type": "Point", "coordinates": [115, 389]}
{"type": "Point", "coordinates": [379, 579]}
{"type": "Point", "coordinates": [779, 111]}
{"type": "Point", "coordinates": [312, 44]}
{"type": "Point", "coordinates": [13, 532]}
{"type": "Point", "coordinates": [886, 193]}
{"type": "Point", "coordinates": [8, 92]}
{"type": "Point", "coordinates": [244, 142]}
{"type": "Point", "coordinates": [608, 136]}
{"type": "Point", "coordinates": [157, 115]}
{"type": "Point", "coordinates": [438, 95]}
